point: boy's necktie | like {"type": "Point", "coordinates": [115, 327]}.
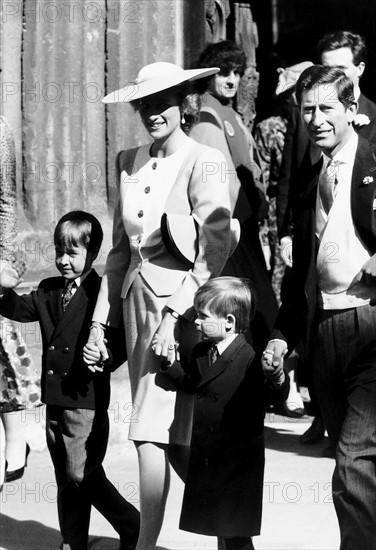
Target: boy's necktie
{"type": "Point", "coordinates": [68, 293]}
{"type": "Point", "coordinates": [213, 354]}
{"type": "Point", "coordinates": [328, 182]}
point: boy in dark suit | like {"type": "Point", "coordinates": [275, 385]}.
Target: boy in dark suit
{"type": "Point", "coordinates": [223, 491]}
{"type": "Point", "coordinates": [77, 399]}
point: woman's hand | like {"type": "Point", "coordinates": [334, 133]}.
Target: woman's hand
{"type": "Point", "coordinates": [164, 342]}
{"type": "Point", "coordinates": [95, 351]}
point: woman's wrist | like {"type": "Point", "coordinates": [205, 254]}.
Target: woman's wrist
{"type": "Point", "coordinates": [97, 324]}
{"type": "Point", "coordinates": [173, 313]}
{"type": "Point", "coordinates": [97, 331]}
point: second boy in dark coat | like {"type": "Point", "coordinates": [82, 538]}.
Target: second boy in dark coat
{"type": "Point", "coordinates": [224, 485]}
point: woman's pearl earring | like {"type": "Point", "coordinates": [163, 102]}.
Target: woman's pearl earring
{"type": "Point", "coordinates": [182, 119]}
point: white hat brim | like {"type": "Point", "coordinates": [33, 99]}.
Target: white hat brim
{"type": "Point", "coordinates": [137, 90]}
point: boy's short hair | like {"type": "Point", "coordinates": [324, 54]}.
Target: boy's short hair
{"type": "Point", "coordinates": [79, 228]}
{"type": "Point", "coordinates": [227, 295]}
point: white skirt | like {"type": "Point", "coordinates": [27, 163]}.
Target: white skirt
{"type": "Point", "coordinates": [160, 413]}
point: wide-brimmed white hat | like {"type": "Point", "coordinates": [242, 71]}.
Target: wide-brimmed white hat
{"type": "Point", "coordinates": [154, 78]}
{"type": "Point", "coordinates": [289, 76]}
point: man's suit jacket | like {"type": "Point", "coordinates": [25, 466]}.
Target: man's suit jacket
{"type": "Point", "coordinates": [299, 150]}
{"type": "Point", "coordinates": [223, 492]}
{"type": "Point", "coordinates": [298, 309]}
{"type": "Point", "coordinates": [66, 380]}
{"type": "Point", "coordinates": [201, 189]}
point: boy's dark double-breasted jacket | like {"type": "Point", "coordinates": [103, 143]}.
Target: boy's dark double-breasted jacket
{"type": "Point", "coordinates": [66, 380]}
{"type": "Point", "coordinates": [223, 492]}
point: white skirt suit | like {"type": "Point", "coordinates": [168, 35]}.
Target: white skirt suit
{"type": "Point", "coordinates": [142, 278]}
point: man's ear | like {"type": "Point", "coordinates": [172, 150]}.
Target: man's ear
{"type": "Point", "coordinates": [230, 323]}
{"type": "Point", "coordinates": [351, 112]}
{"type": "Point", "coordinates": [360, 68]}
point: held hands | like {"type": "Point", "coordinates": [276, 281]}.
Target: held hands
{"type": "Point", "coordinates": [95, 352]}
{"type": "Point", "coordinates": [368, 271]}
{"type": "Point", "coordinates": [164, 342]}
{"type": "Point", "coordinates": [272, 361]}
{"type": "Point", "coordinates": [286, 250]}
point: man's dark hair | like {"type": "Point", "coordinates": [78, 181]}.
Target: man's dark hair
{"type": "Point", "coordinates": [224, 54]}
{"type": "Point", "coordinates": [318, 75]}
{"type": "Point", "coordinates": [344, 39]}
{"type": "Point", "coordinates": [79, 228]}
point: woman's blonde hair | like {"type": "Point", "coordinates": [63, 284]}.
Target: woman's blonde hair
{"type": "Point", "coordinates": [189, 104]}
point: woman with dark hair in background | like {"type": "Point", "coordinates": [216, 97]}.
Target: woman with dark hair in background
{"type": "Point", "coordinates": [221, 126]}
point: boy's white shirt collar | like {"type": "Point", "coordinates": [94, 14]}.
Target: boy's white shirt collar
{"type": "Point", "coordinates": [81, 279]}
{"type": "Point", "coordinates": [221, 346]}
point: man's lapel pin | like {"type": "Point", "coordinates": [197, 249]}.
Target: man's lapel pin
{"type": "Point", "coordinates": [367, 180]}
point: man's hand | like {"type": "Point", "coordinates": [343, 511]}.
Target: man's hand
{"type": "Point", "coordinates": [368, 271]}
{"type": "Point", "coordinates": [272, 361]}
{"type": "Point", "coordinates": [286, 250]}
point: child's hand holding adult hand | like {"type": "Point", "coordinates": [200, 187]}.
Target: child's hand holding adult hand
{"type": "Point", "coordinates": [164, 342]}
{"type": "Point", "coordinates": [272, 361]}
{"type": "Point", "coordinates": [95, 351]}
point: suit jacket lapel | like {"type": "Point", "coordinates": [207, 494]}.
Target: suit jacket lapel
{"type": "Point", "coordinates": [309, 194]}
{"type": "Point", "coordinates": [209, 372]}
{"type": "Point", "coordinates": [363, 190]}
{"type": "Point", "coordinates": [78, 302]}
{"type": "Point", "coordinates": [54, 304]}
{"type": "Point", "coordinates": [307, 249]}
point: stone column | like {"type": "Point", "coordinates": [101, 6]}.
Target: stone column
{"type": "Point", "coordinates": [63, 117]}
{"type": "Point", "coordinates": [59, 59]}
{"type": "Point", "coordinates": [11, 78]}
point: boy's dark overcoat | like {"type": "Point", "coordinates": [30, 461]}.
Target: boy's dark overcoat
{"type": "Point", "coordinates": [223, 493]}
{"type": "Point", "coordinates": [66, 380]}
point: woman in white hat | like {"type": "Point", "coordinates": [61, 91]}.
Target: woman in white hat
{"type": "Point", "coordinates": [155, 288]}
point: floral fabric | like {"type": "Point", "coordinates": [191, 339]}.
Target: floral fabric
{"type": "Point", "coordinates": [19, 379]}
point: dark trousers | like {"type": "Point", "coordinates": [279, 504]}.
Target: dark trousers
{"type": "Point", "coordinates": [235, 543]}
{"type": "Point", "coordinates": [344, 372]}
{"type": "Point", "coordinates": [77, 441]}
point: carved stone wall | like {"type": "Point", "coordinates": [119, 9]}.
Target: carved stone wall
{"type": "Point", "coordinates": [58, 59]}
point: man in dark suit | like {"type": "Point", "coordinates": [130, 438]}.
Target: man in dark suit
{"type": "Point", "coordinates": [346, 51]}
{"type": "Point", "coordinates": [77, 399]}
{"type": "Point", "coordinates": [331, 302]}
